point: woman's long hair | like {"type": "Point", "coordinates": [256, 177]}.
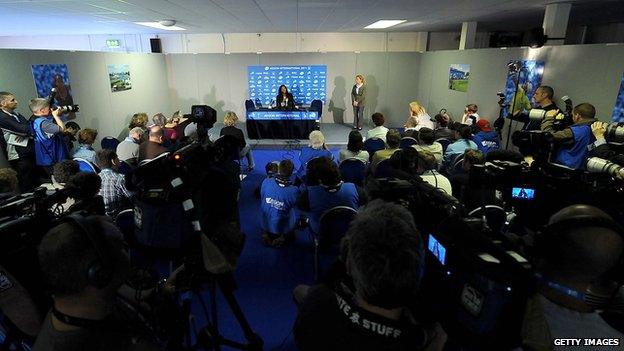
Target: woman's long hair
{"type": "Point", "coordinates": [355, 142]}
{"type": "Point", "coordinates": [280, 90]}
{"type": "Point", "coordinates": [417, 109]}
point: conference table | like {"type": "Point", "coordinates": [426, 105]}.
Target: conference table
{"type": "Point", "coordinates": [267, 123]}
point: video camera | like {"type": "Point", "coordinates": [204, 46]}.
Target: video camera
{"type": "Point", "coordinates": [476, 282]}
{"type": "Point", "coordinates": [64, 109]}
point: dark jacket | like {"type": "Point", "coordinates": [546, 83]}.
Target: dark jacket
{"type": "Point", "coordinates": [150, 149]}
{"type": "Point", "coordinates": [289, 105]}
{"type": "Point", "coordinates": [19, 126]}
{"type": "Point", "coordinates": [360, 96]}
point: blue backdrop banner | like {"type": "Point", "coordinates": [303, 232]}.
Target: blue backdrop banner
{"type": "Point", "coordinates": [618, 110]}
{"type": "Point", "coordinates": [529, 73]}
{"type": "Point", "coordinates": [305, 83]}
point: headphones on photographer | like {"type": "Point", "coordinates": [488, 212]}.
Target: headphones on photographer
{"type": "Point", "coordinates": [282, 181]}
{"type": "Point", "coordinates": [548, 237]}
{"type": "Point", "coordinates": [99, 271]}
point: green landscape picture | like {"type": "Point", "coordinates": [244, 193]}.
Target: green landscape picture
{"type": "Point", "coordinates": [119, 76]}
{"type": "Point", "coordinates": [459, 76]}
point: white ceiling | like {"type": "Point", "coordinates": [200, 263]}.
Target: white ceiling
{"type": "Point", "coordinates": [50, 17]}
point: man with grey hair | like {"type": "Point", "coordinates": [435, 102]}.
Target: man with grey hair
{"type": "Point", "coordinates": [128, 150]}
{"type": "Point", "coordinates": [18, 141]}
{"type": "Point", "coordinates": [48, 126]}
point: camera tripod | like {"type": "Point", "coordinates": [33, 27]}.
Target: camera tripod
{"type": "Point", "coordinates": [209, 337]}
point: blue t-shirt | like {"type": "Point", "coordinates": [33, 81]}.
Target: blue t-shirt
{"type": "Point", "coordinates": [85, 152]}
{"type": "Point", "coordinates": [278, 203]}
{"type": "Point", "coordinates": [487, 141]}
{"type": "Point", "coordinates": [308, 153]}
{"type": "Point", "coordinates": [575, 155]}
{"type": "Point", "coordinates": [321, 200]}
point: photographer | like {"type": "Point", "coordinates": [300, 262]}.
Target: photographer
{"type": "Point", "coordinates": [543, 97]}
{"type": "Point", "coordinates": [85, 271]}
{"type": "Point", "coordinates": [580, 245]}
{"type": "Point", "coordinates": [384, 258]}
{"type": "Point", "coordinates": [50, 147]}
{"type": "Point", "coordinates": [573, 141]}
{"type": "Point", "coordinates": [20, 146]}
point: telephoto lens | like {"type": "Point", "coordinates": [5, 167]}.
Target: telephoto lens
{"type": "Point", "coordinates": [600, 165]}
{"type": "Point", "coordinates": [615, 133]}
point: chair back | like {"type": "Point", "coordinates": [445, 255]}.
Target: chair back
{"type": "Point", "coordinates": [86, 166]}
{"type": "Point", "coordinates": [373, 145]}
{"type": "Point", "coordinates": [458, 165]}
{"type": "Point", "coordinates": [383, 169]}
{"type": "Point", "coordinates": [125, 223]}
{"type": "Point", "coordinates": [408, 142]}
{"type": "Point", "coordinates": [495, 216]}
{"type": "Point", "coordinates": [124, 167]}
{"type": "Point", "coordinates": [317, 105]}
{"type": "Point", "coordinates": [249, 105]}
{"type": "Point", "coordinates": [353, 170]}
{"type": "Point", "coordinates": [444, 142]}
{"type": "Point", "coordinates": [109, 143]}
{"type": "Point", "coordinates": [333, 225]}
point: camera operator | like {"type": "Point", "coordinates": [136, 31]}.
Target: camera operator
{"type": "Point", "coordinates": [330, 192]}
{"type": "Point", "coordinates": [85, 271]}
{"type": "Point", "coordinates": [580, 245]}
{"type": "Point", "coordinates": [573, 141]}
{"type": "Point", "coordinates": [18, 136]}
{"type": "Point", "coordinates": [50, 146]}
{"type": "Point", "coordinates": [385, 259]}
{"type": "Point", "coordinates": [543, 97]}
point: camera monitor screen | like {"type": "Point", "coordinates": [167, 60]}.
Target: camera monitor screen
{"type": "Point", "coordinates": [305, 83]}
{"type": "Point", "coordinates": [523, 193]}
{"type": "Point", "coordinates": [437, 249]}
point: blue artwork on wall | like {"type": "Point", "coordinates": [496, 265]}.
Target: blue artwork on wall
{"type": "Point", "coordinates": [48, 76]}
{"type": "Point", "coordinates": [529, 73]}
{"type": "Point", "coordinates": [305, 83]}
{"type": "Point", "coordinates": [618, 110]}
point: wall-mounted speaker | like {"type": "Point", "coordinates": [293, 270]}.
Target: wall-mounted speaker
{"type": "Point", "coordinates": [156, 45]}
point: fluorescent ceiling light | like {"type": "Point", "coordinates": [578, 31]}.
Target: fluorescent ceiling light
{"type": "Point", "coordinates": [384, 24]}
{"type": "Point", "coordinates": [159, 26]}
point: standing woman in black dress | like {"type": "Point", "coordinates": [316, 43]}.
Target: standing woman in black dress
{"type": "Point", "coordinates": [358, 100]}
{"type": "Point", "coordinates": [284, 99]}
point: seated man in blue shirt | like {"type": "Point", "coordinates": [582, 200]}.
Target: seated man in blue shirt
{"type": "Point", "coordinates": [50, 146]}
{"type": "Point", "coordinates": [330, 192]}
{"type": "Point", "coordinates": [486, 139]}
{"type": "Point", "coordinates": [458, 148]}
{"type": "Point", "coordinates": [278, 199]}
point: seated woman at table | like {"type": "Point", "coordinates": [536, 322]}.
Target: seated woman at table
{"type": "Point", "coordinates": [316, 148]}
{"type": "Point", "coordinates": [284, 100]}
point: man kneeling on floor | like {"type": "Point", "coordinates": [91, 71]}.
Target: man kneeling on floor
{"type": "Point", "coordinates": [278, 200]}
{"type": "Point", "coordinates": [384, 258]}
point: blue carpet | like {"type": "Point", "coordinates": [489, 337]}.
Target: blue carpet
{"type": "Point", "coordinates": [267, 276]}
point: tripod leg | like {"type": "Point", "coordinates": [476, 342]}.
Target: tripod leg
{"type": "Point", "coordinates": [255, 342]}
